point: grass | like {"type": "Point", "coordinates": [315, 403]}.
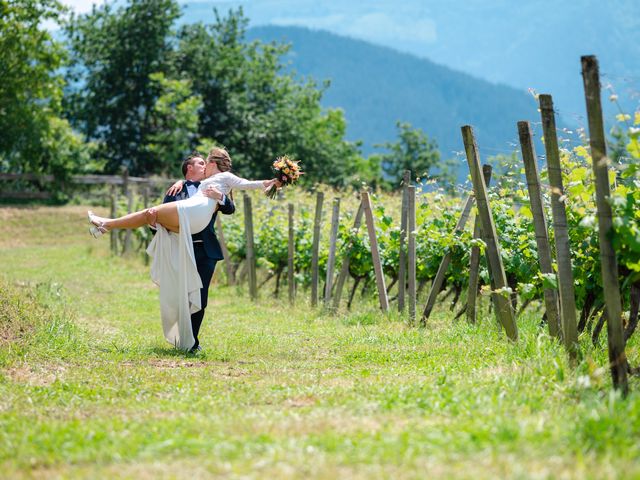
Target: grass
{"type": "Point", "coordinates": [91, 390]}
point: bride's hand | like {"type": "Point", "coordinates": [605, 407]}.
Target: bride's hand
{"type": "Point", "coordinates": [273, 181]}
{"type": "Point", "coordinates": [175, 189]}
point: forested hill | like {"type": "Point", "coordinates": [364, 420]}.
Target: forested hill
{"type": "Point", "coordinates": [377, 86]}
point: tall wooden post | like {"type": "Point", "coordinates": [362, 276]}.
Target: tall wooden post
{"type": "Point", "coordinates": [474, 257]}
{"type": "Point", "coordinates": [561, 233]}
{"type": "Point", "coordinates": [251, 258]}
{"type": "Point", "coordinates": [344, 269]}
{"type": "Point", "coordinates": [128, 192]}
{"type": "Point", "coordinates": [615, 337]}
{"type": "Point", "coordinates": [436, 285]}
{"type": "Point", "coordinates": [402, 264]}
{"type": "Point", "coordinates": [411, 250]}
{"type": "Point", "coordinates": [290, 258]}
{"type": "Point", "coordinates": [504, 311]}
{"type": "Point", "coordinates": [540, 224]}
{"type": "Point", "coordinates": [228, 267]}
{"type": "Point", "coordinates": [375, 254]}
{"type": "Point", "coordinates": [114, 214]}
{"type": "Point", "coordinates": [146, 189]}
{"type": "Point", "coordinates": [315, 250]}
{"type": "Point", "coordinates": [333, 238]}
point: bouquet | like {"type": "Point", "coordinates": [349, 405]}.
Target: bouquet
{"type": "Point", "coordinates": [287, 172]}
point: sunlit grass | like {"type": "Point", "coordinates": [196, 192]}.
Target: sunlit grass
{"type": "Point", "coordinates": [94, 391]}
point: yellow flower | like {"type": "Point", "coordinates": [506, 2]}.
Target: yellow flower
{"type": "Point", "coordinates": [287, 171]}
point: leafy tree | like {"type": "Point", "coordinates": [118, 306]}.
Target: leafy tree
{"type": "Point", "coordinates": [113, 94]}
{"type": "Point", "coordinates": [34, 138]}
{"type": "Point", "coordinates": [174, 123]}
{"type": "Point", "coordinates": [413, 151]}
{"type": "Point", "coordinates": [255, 110]}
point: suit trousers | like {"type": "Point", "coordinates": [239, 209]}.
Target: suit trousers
{"type": "Point", "coordinates": [206, 267]}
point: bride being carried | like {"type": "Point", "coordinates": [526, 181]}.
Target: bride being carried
{"type": "Point", "coordinates": [197, 209]}
{"type": "Point", "coordinates": [174, 267]}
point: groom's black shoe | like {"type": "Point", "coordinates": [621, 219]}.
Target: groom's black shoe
{"type": "Point", "coordinates": [195, 350]}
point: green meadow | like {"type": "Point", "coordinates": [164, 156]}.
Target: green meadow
{"type": "Point", "coordinates": [90, 389]}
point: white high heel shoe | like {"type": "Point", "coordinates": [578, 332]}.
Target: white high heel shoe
{"type": "Point", "coordinates": [97, 228]}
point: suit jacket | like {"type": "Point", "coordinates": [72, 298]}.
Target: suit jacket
{"type": "Point", "coordinates": [208, 235]}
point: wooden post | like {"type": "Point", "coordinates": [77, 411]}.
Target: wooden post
{"type": "Point", "coordinates": [375, 254]}
{"type": "Point", "coordinates": [474, 257]}
{"type": "Point", "coordinates": [127, 190]}
{"type": "Point", "coordinates": [344, 269]}
{"type": "Point", "coordinates": [540, 225]}
{"type": "Point", "coordinates": [315, 250]}
{"type": "Point", "coordinates": [402, 264]}
{"type": "Point", "coordinates": [145, 203]}
{"type": "Point", "coordinates": [335, 220]}
{"type": "Point", "coordinates": [290, 258]}
{"type": "Point", "coordinates": [146, 194]}
{"type": "Point", "coordinates": [609, 264]}
{"type": "Point", "coordinates": [502, 302]}
{"type": "Point", "coordinates": [411, 253]}
{"type": "Point", "coordinates": [251, 259]}
{"type": "Point", "coordinates": [561, 234]}
{"type": "Point", "coordinates": [444, 264]}
{"type": "Point", "coordinates": [114, 214]}
{"type": "Point", "coordinates": [228, 267]}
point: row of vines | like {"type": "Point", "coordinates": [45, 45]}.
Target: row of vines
{"type": "Point", "coordinates": [436, 215]}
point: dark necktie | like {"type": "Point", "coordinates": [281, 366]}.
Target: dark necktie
{"type": "Point", "coordinates": [195, 184]}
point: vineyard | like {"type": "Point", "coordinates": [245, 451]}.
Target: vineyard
{"type": "Point", "coordinates": [349, 334]}
{"type": "Point", "coordinates": [403, 307]}
{"type": "Point", "coordinates": [299, 229]}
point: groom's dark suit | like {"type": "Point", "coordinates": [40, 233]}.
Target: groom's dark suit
{"type": "Point", "coordinates": [207, 252]}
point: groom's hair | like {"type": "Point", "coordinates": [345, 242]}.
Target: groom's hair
{"type": "Point", "coordinates": [189, 161]}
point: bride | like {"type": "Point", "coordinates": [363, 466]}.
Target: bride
{"type": "Point", "coordinates": [197, 210]}
{"type": "Point", "coordinates": [174, 267]}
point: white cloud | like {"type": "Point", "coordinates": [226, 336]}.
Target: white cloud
{"type": "Point", "coordinates": [380, 27]}
{"type": "Point", "coordinates": [385, 28]}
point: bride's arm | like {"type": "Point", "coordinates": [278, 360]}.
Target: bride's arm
{"type": "Point", "coordinates": [175, 189]}
{"type": "Point", "coordinates": [238, 183]}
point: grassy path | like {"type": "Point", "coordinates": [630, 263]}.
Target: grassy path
{"type": "Point", "coordinates": [95, 392]}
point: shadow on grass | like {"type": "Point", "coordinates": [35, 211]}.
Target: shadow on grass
{"type": "Point", "coordinates": [171, 352]}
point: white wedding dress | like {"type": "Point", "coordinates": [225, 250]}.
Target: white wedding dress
{"type": "Point", "coordinates": [173, 267]}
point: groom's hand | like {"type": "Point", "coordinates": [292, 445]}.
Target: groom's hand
{"type": "Point", "coordinates": [213, 192]}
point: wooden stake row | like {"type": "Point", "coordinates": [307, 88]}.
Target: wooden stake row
{"type": "Point", "coordinates": [560, 304]}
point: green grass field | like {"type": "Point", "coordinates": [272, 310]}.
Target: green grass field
{"type": "Point", "coordinates": [90, 389]}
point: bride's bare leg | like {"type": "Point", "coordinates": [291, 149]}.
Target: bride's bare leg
{"type": "Point", "coordinates": [166, 214]}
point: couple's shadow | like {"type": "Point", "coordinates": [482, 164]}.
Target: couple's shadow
{"type": "Point", "coordinates": [171, 352]}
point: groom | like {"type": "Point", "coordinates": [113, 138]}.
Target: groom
{"type": "Point", "coordinates": [205, 243]}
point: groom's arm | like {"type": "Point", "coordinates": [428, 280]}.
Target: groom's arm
{"type": "Point", "coordinates": [228, 207]}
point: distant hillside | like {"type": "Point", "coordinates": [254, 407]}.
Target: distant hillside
{"type": "Point", "coordinates": [537, 43]}
{"type": "Point", "coordinates": [377, 86]}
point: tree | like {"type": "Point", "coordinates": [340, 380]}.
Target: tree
{"type": "Point", "coordinates": [174, 123]}
{"type": "Point", "coordinates": [256, 110]}
{"type": "Point", "coordinates": [413, 151]}
{"type": "Point", "coordinates": [112, 93]}
{"type": "Point", "coordinates": [34, 139]}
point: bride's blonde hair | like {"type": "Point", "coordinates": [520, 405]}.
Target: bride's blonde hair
{"type": "Point", "coordinates": [221, 157]}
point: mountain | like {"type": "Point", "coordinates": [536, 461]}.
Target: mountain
{"type": "Point", "coordinates": [377, 86]}
{"type": "Point", "coordinates": [532, 44]}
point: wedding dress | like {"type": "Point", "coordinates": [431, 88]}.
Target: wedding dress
{"type": "Point", "coordinates": [173, 267]}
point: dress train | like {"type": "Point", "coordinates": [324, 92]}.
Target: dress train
{"type": "Point", "coordinates": [174, 270]}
